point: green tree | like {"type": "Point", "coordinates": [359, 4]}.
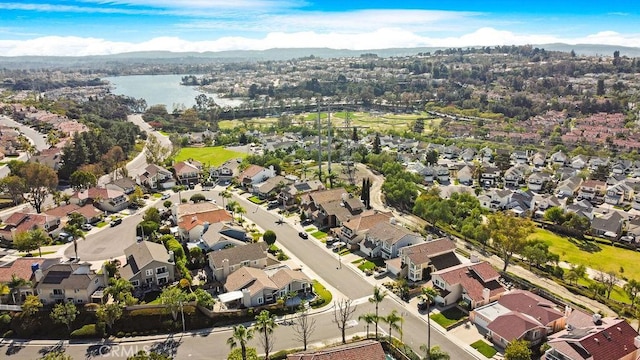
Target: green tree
{"type": "Point", "coordinates": [56, 355]}
{"type": "Point", "coordinates": [172, 298]}
{"type": "Point", "coordinates": [241, 211]}
{"type": "Point", "coordinates": [64, 314]}
{"type": "Point", "coordinates": [265, 324]}
{"type": "Point", "coordinates": [509, 234]}
{"type": "Point", "coordinates": [31, 240]}
{"type": "Point", "coordinates": [109, 314]}
{"type": "Point", "coordinates": [40, 181]}
{"type": "Point", "coordinates": [236, 354]}
{"type": "Point", "coordinates": [143, 355]}
{"type": "Point", "coordinates": [76, 233]}
{"type": "Point", "coordinates": [155, 152]}
{"type": "Point", "coordinates": [14, 286]}
{"type": "Point", "coordinates": [434, 353]}
{"type": "Point", "coordinates": [393, 320]}
{"type": "Point", "coordinates": [369, 318]}
{"type": "Point", "coordinates": [430, 295]}
{"type": "Point", "coordinates": [31, 306]}
{"type": "Point", "coordinates": [197, 198]}
{"type": "Point", "coordinates": [555, 214]}
{"type": "Point", "coordinates": [81, 179]}
{"type": "Point", "coordinates": [240, 337]}
{"type": "Point", "coordinates": [376, 144]}
{"type": "Point", "coordinates": [377, 297]}
{"type": "Point", "coordinates": [632, 288]}
{"type": "Point", "coordinates": [225, 195]}
{"type": "Point", "coordinates": [203, 298]}
{"type": "Point", "coordinates": [15, 187]}
{"type": "Point", "coordinates": [152, 214]}
{"type": "Point", "coordinates": [517, 350]}
{"type": "Point", "coordinates": [119, 288]}
{"type": "Point", "coordinates": [269, 237]}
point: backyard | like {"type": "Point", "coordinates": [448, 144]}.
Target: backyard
{"type": "Point", "coordinates": [211, 156]}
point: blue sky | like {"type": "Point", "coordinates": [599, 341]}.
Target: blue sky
{"type": "Point", "coordinates": [93, 27]}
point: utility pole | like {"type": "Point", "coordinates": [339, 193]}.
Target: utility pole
{"type": "Point", "coordinates": [329, 136]}
{"type": "Point", "coordinates": [319, 145]}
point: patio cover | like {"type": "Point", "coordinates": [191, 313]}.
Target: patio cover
{"type": "Point", "coordinates": [230, 296]}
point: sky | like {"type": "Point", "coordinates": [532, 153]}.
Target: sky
{"type": "Point", "coordinates": [100, 27]}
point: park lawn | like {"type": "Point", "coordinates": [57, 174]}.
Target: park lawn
{"type": "Point", "coordinates": [591, 254]}
{"type": "Point", "coordinates": [483, 348]}
{"type": "Point", "coordinates": [254, 123]}
{"type": "Point", "coordinates": [617, 294]}
{"type": "Point", "coordinates": [212, 156]}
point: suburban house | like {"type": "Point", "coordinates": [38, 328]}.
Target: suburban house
{"type": "Point", "coordinates": [219, 235]}
{"type": "Point", "coordinates": [489, 176]}
{"type": "Point", "coordinates": [539, 159]}
{"type": "Point", "coordinates": [618, 194]}
{"type": "Point", "coordinates": [225, 261]}
{"type": "Point", "coordinates": [51, 157]}
{"type": "Point", "coordinates": [422, 259]}
{"type": "Point", "coordinates": [193, 220]}
{"type": "Point", "coordinates": [465, 175]}
{"type": "Point", "coordinates": [105, 199]}
{"type": "Point", "coordinates": [354, 229]}
{"type": "Point", "coordinates": [148, 265]}
{"type": "Point", "coordinates": [188, 172]}
{"type": "Point", "coordinates": [271, 187]}
{"type": "Point", "coordinates": [559, 158]}
{"type": "Point", "coordinates": [330, 208]}
{"type": "Point", "coordinates": [156, 177]}
{"type": "Point", "coordinates": [515, 176]}
{"type": "Point", "coordinates": [591, 189]}
{"type": "Point", "coordinates": [290, 192]}
{"type": "Point", "coordinates": [226, 171]}
{"type": "Point", "coordinates": [361, 350]}
{"type": "Point", "coordinates": [519, 315]}
{"type": "Point", "coordinates": [609, 225]}
{"type": "Point", "coordinates": [90, 213]}
{"type": "Point", "coordinates": [74, 282]}
{"type": "Point", "coordinates": [636, 202]}
{"type": "Point", "coordinates": [255, 174]}
{"type": "Point", "coordinates": [536, 181]}
{"type": "Point", "coordinates": [21, 222]}
{"type": "Point", "coordinates": [22, 268]}
{"type": "Point", "coordinates": [385, 240]}
{"type": "Point", "coordinates": [591, 337]}
{"type": "Point", "coordinates": [125, 184]}
{"type": "Point", "coordinates": [569, 186]}
{"type": "Point", "coordinates": [256, 287]}
{"type": "Point", "coordinates": [476, 284]}
{"type": "Point", "coordinates": [495, 199]}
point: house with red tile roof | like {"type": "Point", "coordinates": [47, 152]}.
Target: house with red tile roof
{"type": "Point", "coordinates": [90, 213]}
{"type": "Point", "coordinates": [110, 200]}
{"type": "Point", "coordinates": [195, 220]}
{"type": "Point", "coordinates": [421, 259]}
{"type": "Point", "coordinates": [519, 315]}
{"type": "Point", "coordinates": [255, 174]}
{"type": "Point", "coordinates": [21, 222]}
{"type": "Point", "coordinates": [353, 230]}
{"type": "Point", "coordinates": [156, 177]}
{"type": "Point", "coordinates": [331, 207]}
{"type": "Point", "coordinates": [476, 284]}
{"type": "Point", "coordinates": [598, 339]}
{"type": "Point", "coordinates": [22, 268]}
{"type": "Point", "coordinates": [361, 350]}
{"type": "Point", "coordinates": [188, 172]}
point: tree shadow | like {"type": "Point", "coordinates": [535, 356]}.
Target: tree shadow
{"type": "Point", "coordinates": [58, 347]}
{"type": "Point", "coordinates": [588, 246]}
{"type": "Point", "coordinates": [168, 347]}
{"type": "Point", "coordinates": [14, 348]}
{"type": "Point", "coordinates": [98, 350]}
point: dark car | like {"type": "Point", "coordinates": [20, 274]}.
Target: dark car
{"type": "Point", "coordinates": [115, 222]}
{"type": "Point", "coordinates": [303, 235]}
{"type": "Point", "coordinates": [423, 305]}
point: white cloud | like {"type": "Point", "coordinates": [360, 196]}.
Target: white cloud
{"type": "Point", "coordinates": [379, 39]}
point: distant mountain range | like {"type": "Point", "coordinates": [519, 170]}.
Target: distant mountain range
{"type": "Point", "coordinates": [167, 57]}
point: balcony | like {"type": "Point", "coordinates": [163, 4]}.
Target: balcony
{"type": "Point", "coordinates": [56, 296]}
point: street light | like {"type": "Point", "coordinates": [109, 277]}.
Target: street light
{"type": "Point", "coordinates": [182, 313]}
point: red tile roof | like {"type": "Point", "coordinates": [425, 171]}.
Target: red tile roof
{"type": "Point", "coordinates": [250, 172]}
{"type": "Point", "coordinates": [188, 222]}
{"type": "Point", "coordinates": [362, 350]}
{"type": "Point", "coordinates": [513, 325]}
{"type": "Point", "coordinates": [531, 304]}
{"type": "Point", "coordinates": [467, 276]}
{"type": "Point", "coordinates": [21, 268]}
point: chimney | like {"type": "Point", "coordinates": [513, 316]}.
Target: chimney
{"type": "Point", "coordinates": [486, 293]}
{"type": "Point", "coordinates": [567, 311]}
{"type": "Point", "coordinates": [246, 297]}
{"type": "Point", "coordinates": [38, 275]}
{"type": "Point", "coordinates": [171, 256]}
{"type": "Point", "coordinates": [105, 273]}
{"type": "Point", "coordinates": [636, 342]}
{"type": "Point", "coordinates": [225, 268]}
{"type": "Point", "coordinates": [597, 319]}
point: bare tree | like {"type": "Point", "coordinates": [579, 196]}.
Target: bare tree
{"type": "Point", "coordinates": [342, 313]}
{"type": "Point", "coordinates": [304, 325]}
{"type": "Point", "coordinates": [609, 279]}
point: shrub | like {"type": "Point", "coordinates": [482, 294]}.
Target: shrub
{"type": "Point", "coordinates": [87, 331]}
{"type": "Point", "coordinates": [8, 334]}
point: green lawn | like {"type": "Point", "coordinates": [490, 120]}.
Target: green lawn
{"type": "Point", "coordinates": [36, 253]}
{"type": "Point", "coordinates": [213, 156]}
{"type": "Point", "coordinates": [448, 317]}
{"type": "Point", "coordinates": [591, 254]}
{"type": "Point", "coordinates": [319, 234]}
{"type": "Point", "coordinates": [321, 291]}
{"type": "Point", "coordinates": [101, 224]}
{"type": "Point", "coordinates": [256, 200]}
{"type": "Point", "coordinates": [366, 265]}
{"type": "Point", "coordinates": [483, 348]}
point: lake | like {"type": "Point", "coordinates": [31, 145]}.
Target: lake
{"type": "Point", "coordinates": [162, 89]}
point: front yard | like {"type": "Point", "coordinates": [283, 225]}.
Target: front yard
{"type": "Point", "coordinates": [449, 317]}
{"type": "Point", "coordinates": [485, 349]}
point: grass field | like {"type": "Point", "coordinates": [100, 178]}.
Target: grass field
{"type": "Point", "coordinates": [448, 317]}
{"type": "Point", "coordinates": [483, 348]}
{"type": "Point", "coordinates": [591, 254]}
{"type": "Point", "coordinates": [212, 156]}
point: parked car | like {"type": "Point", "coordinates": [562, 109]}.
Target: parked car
{"type": "Point", "coordinates": [339, 246]}
{"type": "Point", "coordinates": [165, 196]}
{"type": "Point", "coordinates": [86, 227]}
{"type": "Point", "coordinates": [303, 235]}
{"type": "Point", "coordinates": [380, 273]}
{"type": "Point", "coordinates": [63, 236]}
{"type": "Point", "coordinates": [423, 305]}
{"type": "Point", "coordinates": [115, 222]}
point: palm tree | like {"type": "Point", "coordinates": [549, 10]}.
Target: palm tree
{"type": "Point", "coordinates": [225, 194]}
{"type": "Point", "coordinates": [378, 296]}
{"type": "Point", "coordinates": [265, 324]}
{"type": "Point", "coordinates": [15, 284]}
{"type": "Point", "coordinates": [332, 177]}
{"type": "Point", "coordinates": [240, 211]}
{"type": "Point", "coordinates": [393, 319]}
{"type": "Point", "coordinates": [435, 353]}
{"type": "Point", "coordinates": [429, 295]}
{"type": "Point", "coordinates": [369, 318]}
{"type": "Point", "coordinates": [241, 335]}
{"type": "Point", "coordinates": [75, 233]}
{"type": "Point", "coordinates": [232, 205]}
{"type": "Point", "coordinates": [40, 237]}
{"type": "Point", "coordinates": [118, 289]}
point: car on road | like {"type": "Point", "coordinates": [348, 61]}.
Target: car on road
{"type": "Point", "coordinates": [86, 227]}
{"type": "Point", "coordinates": [115, 222]}
{"type": "Point", "coordinates": [303, 235]}
{"type": "Point", "coordinates": [165, 196]}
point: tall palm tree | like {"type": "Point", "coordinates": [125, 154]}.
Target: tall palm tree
{"type": "Point", "coordinates": [240, 211]}
{"type": "Point", "coordinates": [14, 286]}
{"type": "Point", "coordinates": [118, 288]}
{"type": "Point", "coordinates": [232, 205]}
{"type": "Point", "coordinates": [369, 318]}
{"type": "Point", "coordinates": [376, 298]}
{"type": "Point", "coordinates": [39, 237]}
{"type": "Point", "coordinates": [429, 295]}
{"type": "Point", "coordinates": [75, 233]}
{"type": "Point", "coordinates": [265, 324]}
{"type": "Point", "coordinates": [332, 177]}
{"type": "Point", "coordinates": [393, 319]}
{"type": "Point", "coordinates": [225, 194]}
{"type": "Point", "coordinates": [241, 335]}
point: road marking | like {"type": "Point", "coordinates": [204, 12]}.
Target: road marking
{"type": "Point", "coordinates": [362, 300]}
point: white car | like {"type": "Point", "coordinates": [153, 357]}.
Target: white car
{"type": "Point", "coordinates": [165, 196]}
{"type": "Point", "coordinates": [86, 227]}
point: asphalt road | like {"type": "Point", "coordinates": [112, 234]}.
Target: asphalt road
{"type": "Point", "coordinates": [39, 139]}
